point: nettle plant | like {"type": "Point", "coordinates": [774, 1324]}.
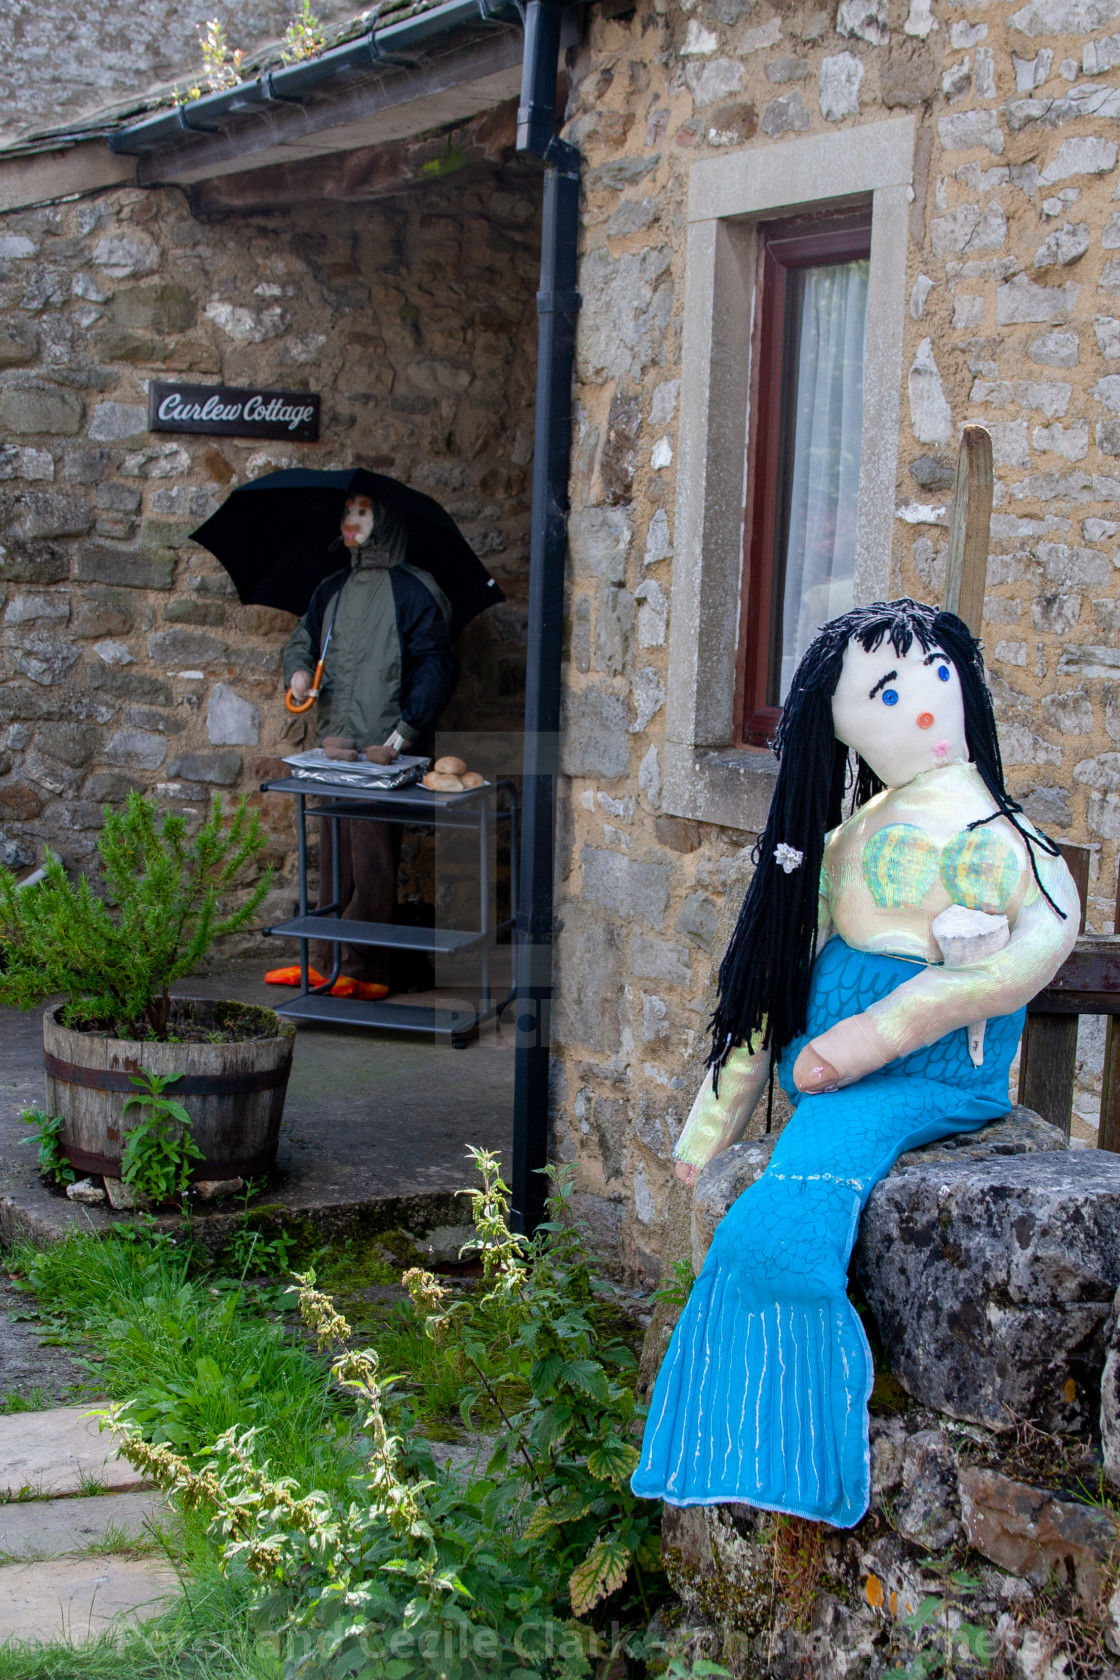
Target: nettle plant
{"type": "Point", "coordinates": [115, 958]}
{"type": "Point", "coordinates": [544, 1565]}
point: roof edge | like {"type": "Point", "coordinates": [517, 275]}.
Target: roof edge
{"type": "Point", "coordinates": [387, 46]}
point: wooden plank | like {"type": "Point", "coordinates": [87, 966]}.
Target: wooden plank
{"type": "Point", "coordinates": [1108, 1134]}
{"type": "Point", "coordinates": [966, 571]}
{"type": "Point", "coordinates": [1077, 860]}
{"type": "Point", "coordinates": [1088, 982]}
{"type": "Point", "coordinates": [1047, 1063]}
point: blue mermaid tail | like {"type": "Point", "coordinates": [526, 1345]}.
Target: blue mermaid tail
{"type": "Point", "coordinates": [762, 1396]}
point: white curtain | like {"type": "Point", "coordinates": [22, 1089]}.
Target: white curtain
{"type": "Point", "coordinates": [824, 481]}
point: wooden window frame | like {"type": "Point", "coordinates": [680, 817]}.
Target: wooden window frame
{"type": "Point", "coordinates": [794, 242]}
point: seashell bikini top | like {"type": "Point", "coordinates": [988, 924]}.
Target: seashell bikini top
{"type": "Point", "coordinates": [908, 854]}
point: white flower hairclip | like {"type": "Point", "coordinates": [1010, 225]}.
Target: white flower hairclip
{"type": "Point", "coordinates": [788, 857]}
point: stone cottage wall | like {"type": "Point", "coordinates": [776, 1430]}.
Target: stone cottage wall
{"type": "Point", "coordinates": [1012, 318]}
{"type": "Point", "coordinates": [127, 660]}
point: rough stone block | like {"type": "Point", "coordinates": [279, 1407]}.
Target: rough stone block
{"type": "Point", "coordinates": [128, 685]}
{"type": "Point", "coordinates": [135, 749]}
{"type": "Point", "coordinates": [1030, 1533]}
{"type": "Point", "coordinates": [230, 720]}
{"type": "Point", "coordinates": [71, 743]}
{"type": "Point", "coordinates": [103, 563]}
{"type": "Point", "coordinates": [269, 621]}
{"type": "Point", "coordinates": [41, 408]}
{"type": "Point", "coordinates": [1110, 1398]}
{"type": "Point", "coordinates": [660, 959]}
{"type": "Point", "coordinates": [100, 615]}
{"type": "Point", "coordinates": [590, 981]}
{"type": "Point", "coordinates": [991, 1282]}
{"type": "Point", "coordinates": [187, 648]}
{"type": "Point", "coordinates": [594, 731]}
{"type": "Point", "coordinates": [221, 768]}
{"type": "Point", "coordinates": [18, 801]}
{"type": "Point", "coordinates": [193, 610]}
{"type": "Point", "coordinates": [625, 887]}
{"type": "Point", "coordinates": [24, 705]}
{"type": "Point", "coordinates": [599, 542]}
{"type": "Point", "coordinates": [112, 421]}
{"type": "Point", "coordinates": [928, 1507]}
{"type": "Point", "coordinates": [33, 515]}
{"type": "Point", "coordinates": [87, 466]}
{"type": "Point", "coordinates": [160, 309]}
{"type": "Point", "coordinates": [19, 342]}
{"type": "Point", "coordinates": [41, 565]}
{"type": "Point", "coordinates": [699, 919]}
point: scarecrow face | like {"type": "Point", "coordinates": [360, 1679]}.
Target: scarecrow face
{"type": "Point", "coordinates": [903, 713]}
{"type": "Point", "coordinates": [357, 521]}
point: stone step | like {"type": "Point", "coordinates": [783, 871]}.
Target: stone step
{"type": "Point", "coordinates": [60, 1452]}
{"type": "Point", "coordinates": [77, 1599]}
{"type": "Point", "coordinates": [51, 1528]}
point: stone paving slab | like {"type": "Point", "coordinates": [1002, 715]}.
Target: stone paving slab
{"type": "Point", "coordinates": [79, 1598]}
{"type": "Point", "coordinates": [60, 1452]}
{"type": "Point", "coordinates": [50, 1528]}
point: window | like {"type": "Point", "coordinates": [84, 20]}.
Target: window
{"type": "Point", "coordinates": [804, 450]}
{"type": "Point", "coordinates": [708, 773]}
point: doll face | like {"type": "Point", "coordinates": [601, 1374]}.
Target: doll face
{"type": "Point", "coordinates": [357, 521]}
{"type": "Point", "coordinates": [903, 713]}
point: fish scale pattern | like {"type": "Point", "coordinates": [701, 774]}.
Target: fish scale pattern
{"type": "Point", "coordinates": [762, 1396]}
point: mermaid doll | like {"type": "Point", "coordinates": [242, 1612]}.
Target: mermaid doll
{"type": "Point", "coordinates": [880, 965]}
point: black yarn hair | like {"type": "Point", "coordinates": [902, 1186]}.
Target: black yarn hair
{"type": "Point", "coordinates": [765, 972]}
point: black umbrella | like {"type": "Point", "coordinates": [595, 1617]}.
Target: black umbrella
{"type": "Point", "coordinates": [278, 539]}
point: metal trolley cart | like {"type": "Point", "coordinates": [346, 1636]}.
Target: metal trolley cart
{"type": "Point", "coordinates": [477, 808]}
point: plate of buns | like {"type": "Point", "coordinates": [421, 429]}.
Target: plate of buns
{"type": "Point", "coordinates": [450, 775]}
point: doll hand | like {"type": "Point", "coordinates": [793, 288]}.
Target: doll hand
{"type": "Point", "coordinates": [812, 1074]}
{"type": "Point", "coordinates": [380, 755]}
{"type": "Point", "coordinates": [340, 746]}
{"type": "Point", "coordinates": [301, 684]}
{"type": "Point", "coordinates": [686, 1173]}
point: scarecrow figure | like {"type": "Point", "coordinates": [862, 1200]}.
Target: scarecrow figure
{"type": "Point", "coordinates": [378, 628]}
{"type": "Point", "coordinates": [880, 966]}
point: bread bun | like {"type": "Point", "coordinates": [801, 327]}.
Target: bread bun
{"type": "Point", "coordinates": [472, 779]}
{"type": "Point", "coordinates": [438, 783]}
{"type": "Point", "coordinates": [449, 767]}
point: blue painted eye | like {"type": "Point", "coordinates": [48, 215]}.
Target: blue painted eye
{"type": "Point", "coordinates": [890, 697]}
{"type": "Point", "coordinates": [943, 672]}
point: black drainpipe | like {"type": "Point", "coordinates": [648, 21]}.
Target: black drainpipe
{"type": "Point", "coordinates": [557, 306]}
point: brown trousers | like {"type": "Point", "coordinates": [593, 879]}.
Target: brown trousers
{"type": "Point", "coordinates": [368, 855]}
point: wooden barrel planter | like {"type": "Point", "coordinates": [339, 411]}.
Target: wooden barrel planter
{"type": "Point", "coordinates": [234, 1092]}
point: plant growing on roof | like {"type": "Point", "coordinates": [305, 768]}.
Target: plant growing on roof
{"type": "Point", "coordinates": [116, 958]}
{"type": "Point", "coordinates": [304, 36]}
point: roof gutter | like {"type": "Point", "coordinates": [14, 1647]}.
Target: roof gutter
{"type": "Point", "coordinates": [557, 306]}
{"type": "Point", "coordinates": [388, 46]}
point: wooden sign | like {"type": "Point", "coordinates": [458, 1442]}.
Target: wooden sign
{"type": "Point", "coordinates": [228, 411]}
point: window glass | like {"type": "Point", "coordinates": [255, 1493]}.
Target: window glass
{"type": "Point", "coordinates": [825, 339]}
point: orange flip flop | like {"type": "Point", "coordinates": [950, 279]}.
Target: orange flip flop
{"type": "Point", "coordinates": [291, 977]}
{"type": "Point", "coordinates": [367, 991]}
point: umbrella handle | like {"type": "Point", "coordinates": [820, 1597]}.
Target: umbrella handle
{"type": "Point", "coordinates": [299, 706]}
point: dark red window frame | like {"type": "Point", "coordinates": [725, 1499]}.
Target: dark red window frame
{"type": "Point", "coordinates": [805, 241]}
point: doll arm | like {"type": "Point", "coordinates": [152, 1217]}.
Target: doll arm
{"type": "Point", "coordinates": [715, 1121]}
{"type": "Point", "coordinates": [940, 999]}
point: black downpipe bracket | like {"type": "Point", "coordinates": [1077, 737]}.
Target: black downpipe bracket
{"type": "Point", "coordinates": [557, 307]}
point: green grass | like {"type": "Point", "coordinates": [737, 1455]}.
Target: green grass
{"type": "Point", "coordinates": [188, 1353]}
{"type": "Point", "coordinates": [14, 1401]}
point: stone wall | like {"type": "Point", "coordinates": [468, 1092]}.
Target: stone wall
{"type": "Point", "coordinates": [1011, 318]}
{"type": "Point", "coordinates": [127, 659]}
